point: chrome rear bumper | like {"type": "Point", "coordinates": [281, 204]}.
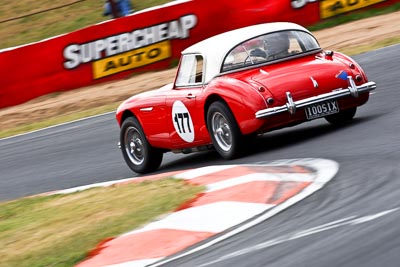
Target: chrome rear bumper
{"type": "Point", "coordinates": [291, 106]}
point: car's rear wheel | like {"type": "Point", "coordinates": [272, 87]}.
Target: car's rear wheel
{"type": "Point", "coordinates": [342, 117]}
{"type": "Point", "coordinates": [224, 131]}
{"type": "Point", "coordinates": [140, 156]}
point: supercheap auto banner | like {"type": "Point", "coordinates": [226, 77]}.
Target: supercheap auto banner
{"type": "Point", "coordinates": [148, 40]}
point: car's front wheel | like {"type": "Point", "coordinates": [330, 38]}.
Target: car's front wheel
{"type": "Point", "coordinates": [224, 131]}
{"type": "Point", "coordinates": [342, 117]}
{"type": "Point", "coordinates": [140, 156]}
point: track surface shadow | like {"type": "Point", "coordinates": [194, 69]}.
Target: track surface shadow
{"type": "Point", "coordinates": [269, 142]}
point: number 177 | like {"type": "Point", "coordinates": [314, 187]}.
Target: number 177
{"type": "Point", "coordinates": [180, 119]}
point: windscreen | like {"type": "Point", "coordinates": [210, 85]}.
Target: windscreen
{"type": "Point", "coordinates": [270, 47]}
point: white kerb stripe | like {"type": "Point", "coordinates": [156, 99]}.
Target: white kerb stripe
{"type": "Point", "coordinates": [202, 171]}
{"type": "Point", "coordinates": [278, 177]}
{"type": "Point", "coordinates": [212, 218]}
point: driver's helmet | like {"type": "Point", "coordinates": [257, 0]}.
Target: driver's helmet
{"type": "Point", "coordinates": [276, 44]}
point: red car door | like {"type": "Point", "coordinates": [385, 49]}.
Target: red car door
{"type": "Point", "coordinates": [183, 103]}
{"type": "Point", "coordinates": [185, 117]}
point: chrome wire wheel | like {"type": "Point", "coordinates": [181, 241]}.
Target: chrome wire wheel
{"type": "Point", "coordinates": [134, 145]}
{"type": "Point", "coordinates": [221, 131]}
{"type": "Point", "coordinates": [224, 131]}
{"type": "Point", "coordinates": [140, 156]}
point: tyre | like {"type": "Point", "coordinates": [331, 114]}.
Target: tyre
{"type": "Point", "coordinates": [224, 131]}
{"type": "Point", "coordinates": [342, 117]}
{"type": "Point", "coordinates": [140, 156]}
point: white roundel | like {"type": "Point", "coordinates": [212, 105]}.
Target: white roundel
{"type": "Point", "coordinates": [182, 121]}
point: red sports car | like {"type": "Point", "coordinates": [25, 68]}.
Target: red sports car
{"type": "Point", "coordinates": [236, 84]}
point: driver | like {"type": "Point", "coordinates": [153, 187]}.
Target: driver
{"type": "Point", "coordinates": [276, 45]}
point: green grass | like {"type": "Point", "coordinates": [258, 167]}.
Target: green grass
{"type": "Point", "coordinates": [345, 18]}
{"type": "Point", "coordinates": [84, 13]}
{"type": "Point", "coordinates": [372, 46]}
{"type": "Point", "coordinates": [51, 23]}
{"type": "Point", "coordinates": [60, 230]}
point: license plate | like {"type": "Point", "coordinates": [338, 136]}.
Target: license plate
{"type": "Point", "coordinates": [321, 109]}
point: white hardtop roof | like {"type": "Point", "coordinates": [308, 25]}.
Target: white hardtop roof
{"type": "Point", "coordinates": [214, 49]}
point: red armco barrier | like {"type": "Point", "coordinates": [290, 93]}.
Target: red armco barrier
{"type": "Point", "coordinates": [147, 40]}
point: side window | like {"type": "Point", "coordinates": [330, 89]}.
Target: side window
{"type": "Point", "coordinates": [190, 70]}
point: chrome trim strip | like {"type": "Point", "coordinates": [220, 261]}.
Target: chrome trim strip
{"type": "Point", "coordinates": [352, 90]}
{"type": "Point", "coordinates": [147, 109]}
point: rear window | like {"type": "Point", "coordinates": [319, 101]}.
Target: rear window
{"type": "Point", "coordinates": [269, 47]}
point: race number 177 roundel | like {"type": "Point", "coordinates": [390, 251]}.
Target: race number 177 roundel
{"type": "Point", "coordinates": [182, 121]}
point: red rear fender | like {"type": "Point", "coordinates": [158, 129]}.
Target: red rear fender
{"type": "Point", "coordinates": [242, 98]}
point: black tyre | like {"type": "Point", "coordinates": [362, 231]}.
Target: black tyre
{"type": "Point", "coordinates": [224, 131]}
{"type": "Point", "coordinates": [342, 117]}
{"type": "Point", "coordinates": [140, 156]}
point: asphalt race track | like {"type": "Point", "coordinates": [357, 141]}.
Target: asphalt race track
{"type": "Point", "coordinates": [353, 221]}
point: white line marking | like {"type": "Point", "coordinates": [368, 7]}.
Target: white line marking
{"type": "Point", "coordinates": [85, 187]}
{"type": "Point", "coordinates": [373, 217]}
{"type": "Point", "coordinates": [349, 221]}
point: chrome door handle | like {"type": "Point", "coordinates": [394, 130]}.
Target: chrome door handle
{"type": "Point", "coordinates": [190, 96]}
